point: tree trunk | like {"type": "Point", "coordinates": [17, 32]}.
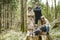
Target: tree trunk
{"type": "Point", "coordinates": [25, 15]}
{"type": "Point", "coordinates": [47, 7]}
{"type": "Point", "coordinates": [0, 18]}
{"type": "Point", "coordinates": [55, 14]}
{"type": "Point", "coordinates": [22, 16]}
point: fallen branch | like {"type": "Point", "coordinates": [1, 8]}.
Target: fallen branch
{"type": "Point", "coordinates": [54, 22]}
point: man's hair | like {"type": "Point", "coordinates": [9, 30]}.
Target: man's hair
{"type": "Point", "coordinates": [37, 3]}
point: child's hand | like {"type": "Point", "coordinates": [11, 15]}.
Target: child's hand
{"type": "Point", "coordinates": [40, 30]}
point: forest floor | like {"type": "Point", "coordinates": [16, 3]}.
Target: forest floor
{"type": "Point", "coordinates": [13, 35]}
{"type": "Point", "coordinates": [16, 35]}
{"type": "Point", "coordinates": [56, 33]}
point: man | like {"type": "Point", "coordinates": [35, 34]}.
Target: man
{"type": "Point", "coordinates": [37, 11]}
{"type": "Point", "coordinates": [37, 31]}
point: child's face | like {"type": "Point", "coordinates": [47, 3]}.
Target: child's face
{"type": "Point", "coordinates": [36, 26]}
{"type": "Point", "coordinates": [29, 9]}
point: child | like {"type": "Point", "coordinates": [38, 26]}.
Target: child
{"type": "Point", "coordinates": [30, 21]}
{"type": "Point", "coordinates": [43, 27]}
{"type": "Point", "coordinates": [30, 14]}
{"type": "Point", "coordinates": [37, 31]}
{"type": "Point", "coordinates": [44, 32]}
{"type": "Point", "coordinates": [30, 32]}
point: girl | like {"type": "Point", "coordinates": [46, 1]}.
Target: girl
{"type": "Point", "coordinates": [30, 21]}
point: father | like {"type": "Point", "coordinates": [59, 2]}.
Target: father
{"type": "Point", "coordinates": [37, 11]}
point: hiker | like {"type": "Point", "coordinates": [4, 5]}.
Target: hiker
{"type": "Point", "coordinates": [44, 31]}
{"type": "Point", "coordinates": [37, 31]}
{"type": "Point", "coordinates": [43, 27]}
{"type": "Point", "coordinates": [30, 14]}
{"type": "Point", "coordinates": [30, 21]}
{"type": "Point", "coordinates": [47, 23]}
{"type": "Point", "coordinates": [37, 12]}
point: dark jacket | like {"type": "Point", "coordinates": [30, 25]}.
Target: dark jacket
{"type": "Point", "coordinates": [43, 29]}
{"type": "Point", "coordinates": [37, 11]}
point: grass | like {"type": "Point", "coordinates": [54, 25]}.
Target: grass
{"type": "Point", "coordinates": [56, 33]}
{"type": "Point", "coordinates": [12, 35]}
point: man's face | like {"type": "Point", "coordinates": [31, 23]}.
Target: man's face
{"type": "Point", "coordinates": [37, 4]}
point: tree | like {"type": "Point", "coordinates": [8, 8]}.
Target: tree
{"type": "Point", "coordinates": [22, 16]}
{"type": "Point", "coordinates": [47, 7]}
{"type": "Point", "coordinates": [55, 10]}
{"type": "Point", "coordinates": [0, 18]}
{"type": "Point", "coordinates": [25, 15]}
{"type": "Point", "coordinates": [55, 14]}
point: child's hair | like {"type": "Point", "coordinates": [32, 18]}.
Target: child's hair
{"type": "Point", "coordinates": [29, 7]}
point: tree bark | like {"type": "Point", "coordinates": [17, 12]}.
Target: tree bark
{"type": "Point", "coordinates": [22, 16]}
{"type": "Point", "coordinates": [0, 18]}
{"type": "Point", "coordinates": [55, 14]}
{"type": "Point", "coordinates": [25, 15]}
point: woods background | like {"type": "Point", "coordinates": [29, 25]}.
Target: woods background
{"type": "Point", "coordinates": [13, 14]}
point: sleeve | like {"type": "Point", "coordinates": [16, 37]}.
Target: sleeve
{"type": "Point", "coordinates": [41, 11]}
{"type": "Point", "coordinates": [47, 29]}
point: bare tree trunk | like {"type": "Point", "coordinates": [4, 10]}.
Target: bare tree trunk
{"type": "Point", "coordinates": [55, 14]}
{"type": "Point", "coordinates": [22, 16]}
{"type": "Point", "coordinates": [0, 18]}
{"type": "Point", "coordinates": [7, 17]}
{"type": "Point", "coordinates": [25, 15]}
{"type": "Point", "coordinates": [55, 10]}
{"type": "Point", "coordinates": [47, 6]}
{"type": "Point", "coordinates": [59, 7]}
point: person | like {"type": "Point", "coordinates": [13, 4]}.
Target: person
{"type": "Point", "coordinates": [37, 12]}
{"type": "Point", "coordinates": [30, 17]}
{"type": "Point", "coordinates": [44, 32]}
{"type": "Point", "coordinates": [43, 28]}
{"type": "Point", "coordinates": [30, 21]}
{"type": "Point", "coordinates": [37, 31]}
{"type": "Point", "coordinates": [47, 23]}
